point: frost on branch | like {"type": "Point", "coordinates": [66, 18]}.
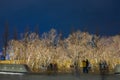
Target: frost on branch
{"type": "Point", "coordinates": [40, 51]}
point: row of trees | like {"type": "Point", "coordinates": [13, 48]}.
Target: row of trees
{"type": "Point", "coordinates": [37, 50]}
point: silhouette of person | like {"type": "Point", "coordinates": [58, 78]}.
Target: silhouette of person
{"type": "Point", "coordinates": [87, 66]}
{"type": "Point", "coordinates": [84, 66]}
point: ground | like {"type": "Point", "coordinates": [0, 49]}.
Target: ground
{"type": "Point", "coordinates": [60, 77]}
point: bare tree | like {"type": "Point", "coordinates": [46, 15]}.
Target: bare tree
{"type": "Point", "coordinates": [5, 38]}
{"type": "Point", "coordinates": [26, 30]}
{"type": "Point", "coordinates": [25, 42]}
{"type": "Point", "coordinates": [36, 29]}
{"type": "Point", "coordinates": [15, 34]}
{"type": "Point", "coordinates": [97, 31]}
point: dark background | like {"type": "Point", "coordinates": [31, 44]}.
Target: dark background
{"type": "Point", "coordinates": [102, 16]}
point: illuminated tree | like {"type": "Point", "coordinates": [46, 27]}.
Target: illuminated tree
{"type": "Point", "coordinates": [50, 48]}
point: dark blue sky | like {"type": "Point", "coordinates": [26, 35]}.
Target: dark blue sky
{"type": "Point", "coordinates": [63, 15]}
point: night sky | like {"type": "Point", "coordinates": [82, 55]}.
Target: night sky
{"type": "Point", "coordinates": [91, 15]}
